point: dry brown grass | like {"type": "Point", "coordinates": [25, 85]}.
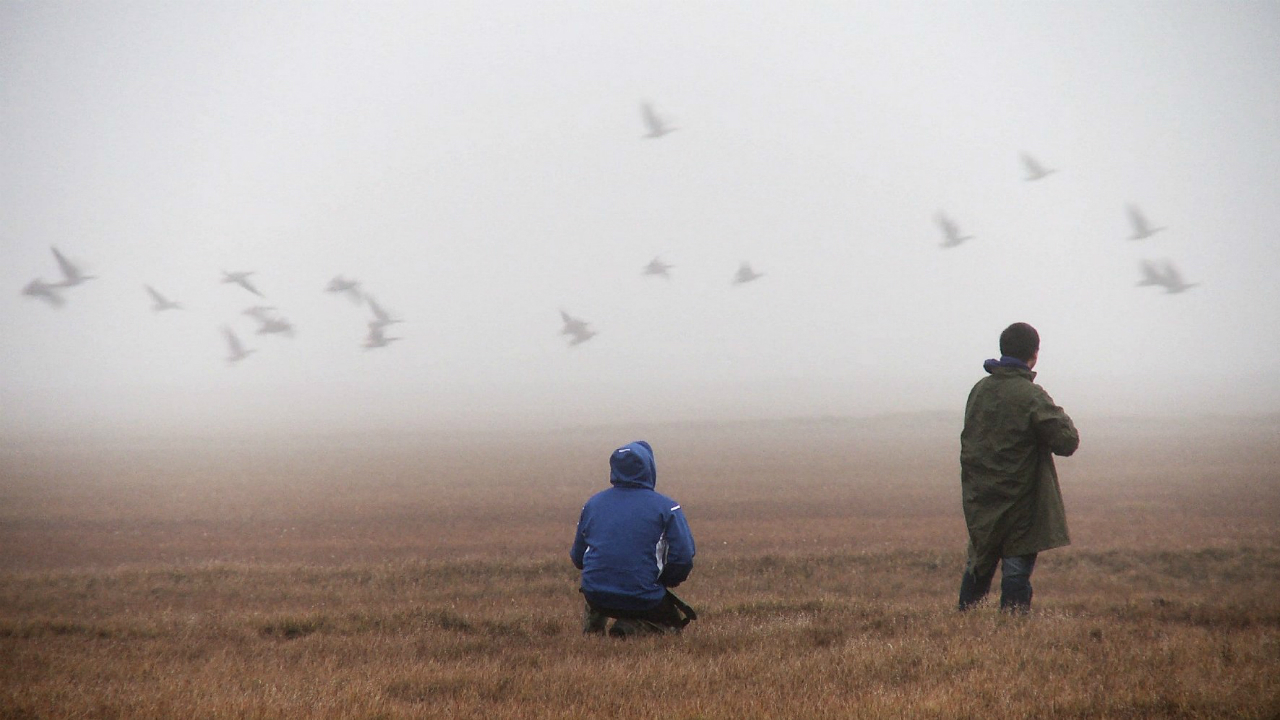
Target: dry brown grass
{"type": "Point", "coordinates": [242, 580]}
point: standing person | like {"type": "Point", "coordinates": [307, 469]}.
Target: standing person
{"type": "Point", "coordinates": [632, 544]}
{"type": "Point", "coordinates": [1012, 503]}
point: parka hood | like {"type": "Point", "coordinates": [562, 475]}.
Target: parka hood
{"type": "Point", "coordinates": [632, 465]}
{"type": "Point", "coordinates": [1012, 363]}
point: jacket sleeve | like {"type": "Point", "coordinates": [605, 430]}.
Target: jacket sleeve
{"type": "Point", "coordinates": [1053, 427]}
{"type": "Point", "coordinates": [680, 550]}
{"type": "Point", "coordinates": [579, 550]}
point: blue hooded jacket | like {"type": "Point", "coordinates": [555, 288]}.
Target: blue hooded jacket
{"type": "Point", "coordinates": [632, 542]}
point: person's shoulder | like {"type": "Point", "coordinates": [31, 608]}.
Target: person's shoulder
{"type": "Point", "coordinates": [1036, 387]}
{"type": "Point", "coordinates": [1003, 388]}
{"type": "Point", "coordinates": [670, 503]}
{"type": "Point", "coordinates": [600, 496]}
{"type": "Point", "coordinates": [987, 384]}
{"type": "Point", "coordinates": [1013, 378]}
{"type": "Point", "coordinates": [1041, 396]}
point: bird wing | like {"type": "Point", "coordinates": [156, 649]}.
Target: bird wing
{"type": "Point", "coordinates": [1172, 276]}
{"type": "Point", "coordinates": [52, 296]}
{"type": "Point", "coordinates": [1034, 168]}
{"type": "Point", "coordinates": [1137, 219]}
{"type": "Point", "coordinates": [233, 342]}
{"type": "Point", "coordinates": [39, 289]}
{"type": "Point", "coordinates": [572, 325]}
{"type": "Point", "coordinates": [1151, 273]}
{"type": "Point", "coordinates": [948, 226]}
{"type": "Point", "coordinates": [378, 311]}
{"type": "Point", "coordinates": [651, 118]}
{"type": "Point", "coordinates": [69, 270]}
{"type": "Point", "coordinates": [155, 295]}
{"type": "Point", "coordinates": [244, 283]}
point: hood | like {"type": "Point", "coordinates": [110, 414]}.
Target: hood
{"type": "Point", "coordinates": [632, 466]}
{"type": "Point", "coordinates": [992, 364]}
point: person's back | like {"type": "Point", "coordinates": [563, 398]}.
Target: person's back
{"type": "Point", "coordinates": [1012, 503]}
{"type": "Point", "coordinates": [632, 544]}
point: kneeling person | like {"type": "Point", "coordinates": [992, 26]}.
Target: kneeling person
{"type": "Point", "coordinates": [632, 544]}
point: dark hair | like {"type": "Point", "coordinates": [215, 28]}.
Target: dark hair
{"type": "Point", "coordinates": [1021, 341]}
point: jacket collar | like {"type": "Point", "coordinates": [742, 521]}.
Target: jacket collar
{"type": "Point", "coordinates": [1008, 366]}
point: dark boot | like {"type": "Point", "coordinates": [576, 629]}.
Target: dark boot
{"type": "Point", "coordinates": [593, 623]}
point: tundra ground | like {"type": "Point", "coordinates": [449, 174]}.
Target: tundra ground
{"type": "Point", "coordinates": [341, 577]}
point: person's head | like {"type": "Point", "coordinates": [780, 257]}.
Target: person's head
{"type": "Point", "coordinates": [632, 465]}
{"type": "Point", "coordinates": [1020, 341]}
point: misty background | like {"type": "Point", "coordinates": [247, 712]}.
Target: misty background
{"type": "Point", "coordinates": [479, 167]}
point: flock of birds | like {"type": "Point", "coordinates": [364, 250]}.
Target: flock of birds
{"type": "Point", "coordinates": [1162, 275]}
{"type": "Point", "coordinates": [270, 322]}
{"type": "Point", "coordinates": [579, 331]}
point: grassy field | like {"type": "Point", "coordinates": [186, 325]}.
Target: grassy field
{"type": "Point", "coordinates": [348, 577]}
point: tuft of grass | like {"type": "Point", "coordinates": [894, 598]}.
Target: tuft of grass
{"type": "Point", "coordinates": [28, 629]}
{"type": "Point", "coordinates": [447, 619]}
{"type": "Point", "coordinates": [291, 627]}
{"type": "Point", "coordinates": [825, 636]}
{"type": "Point", "coordinates": [426, 691]}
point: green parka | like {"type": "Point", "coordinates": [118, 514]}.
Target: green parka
{"type": "Point", "coordinates": [1012, 503]}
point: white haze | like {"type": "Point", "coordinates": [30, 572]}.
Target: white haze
{"type": "Point", "coordinates": [480, 166]}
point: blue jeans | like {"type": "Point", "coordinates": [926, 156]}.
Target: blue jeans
{"type": "Point", "coordinates": [1015, 584]}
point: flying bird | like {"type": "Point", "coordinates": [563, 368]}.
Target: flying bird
{"type": "Point", "coordinates": [269, 321]}
{"type": "Point", "coordinates": [654, 124]}
{"type": "Point", "coordinates": [237, 351]}
{"type": "Point", "coordinates": [71, 274]}
{"type": "Point", "coordinates": [951, 231]}
{"type": "Point", "coordinates": [572, 325]}
{"type": "Point", "coordinates": [261, 313]}
{"type": "Point", "coordinates": [377, 339]}
{"type": "Point", "coordinates": [657, 267]}
{"type": "Point", "coordinates": [1173, 280]}
{"type": "Point", "coordinates": [1151, 274]}
{"type": "Point", "coordinates": [41, 290]}
{"type": "Point", "coordinates": [275, 326]}
{"type": "Point", "coordinates": [1035, 171]}
{"type": "Point", "coordinates": [1141, 228]}
{"type": "Point", "coordinates": [582, 336]}
{"type": "Point", "coordinates": [160, 301]}
{"type": "Point", "coordinates": [1167, 277]}
{"type": "Point", "coordinates": [342, 285]}
{"type": "Point", "coordinates": [241, 279]}
{"type": "Point", "coordinates": [745, 274]}
{"type": "Point", "coordinates": [577, 328]}
{"type": "Point", "coordinates": [381, 318]}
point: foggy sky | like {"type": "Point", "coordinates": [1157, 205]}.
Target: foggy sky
{"type": "Point", "coordinates": [479, 168]}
